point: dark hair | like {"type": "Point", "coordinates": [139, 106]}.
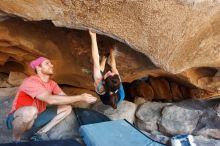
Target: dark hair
{"type": "Point", "coordinates": [112, 83]}
{"type": "Point", "coordinates": [114, 98]}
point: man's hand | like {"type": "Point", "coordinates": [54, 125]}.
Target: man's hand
{"type": "Point", "coordinates": [92, 34]}
{"type": "Point", "coordinates": [88, 98]}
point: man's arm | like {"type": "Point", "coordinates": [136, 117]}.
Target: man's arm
{"type": "Point", "coordinates": [63, 99]}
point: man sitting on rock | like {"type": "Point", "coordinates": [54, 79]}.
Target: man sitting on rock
{"type": "Point", "coordinates": [108, 86]}
{"type": "Point", "coordinates": [40, 103]}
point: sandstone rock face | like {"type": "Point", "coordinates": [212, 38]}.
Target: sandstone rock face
{"type": "Point", "coordinates": [3, 81]}
{"type": "Point", "coordinates": [69, 51]}
{"type": "Point", "coordinates": [179, 36]}
{"type": "Point", "coordinates": [159, 89]}
{"type": "Point", "coordinates": [16, 78]}
{"type": "Point", "coordinates": [153, 27]}
{"type": "Point", "coordinates": [178, 39]}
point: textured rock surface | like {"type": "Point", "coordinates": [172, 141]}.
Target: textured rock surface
{"type": "Point", "coordinates": [139, 101]}
{"type": "Point", "coordinates": [189, 116]}
{"type": "Point", "coordinates": [69, 51]}
{"type": "Point", "coordinates": [153, 27]}
{"type": "Point", "coordinates": [5, 104]}
{"type": "Point", "coordinates": [4, 92]}
{"type": "Point", "coordinates": [208, 125]}
{"type": "Point", "coordinates": [179, 36]}
{"type": "Point", "coordinates": [203, 141]}
{"type": "Point", "coordinates": [148, 116]}
{"type": "Point", "coordinates": [177, 120]}
{"type": "Point", "coordinates": [160, 89]}
{"type": "Point", "coordinates": [16, 78]}
{"type": "Point", "coordinates": [176, 35]}
{"type": "Point", "coordinates": [126, 110]}
{"type": "Point", "coordinates": [66, 129]}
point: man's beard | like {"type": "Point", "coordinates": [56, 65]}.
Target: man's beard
{"type": "Point", "coordinates": [48, 73]}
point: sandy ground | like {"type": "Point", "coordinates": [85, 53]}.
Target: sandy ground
{"type": "Point", "coordinates": [5, 105]}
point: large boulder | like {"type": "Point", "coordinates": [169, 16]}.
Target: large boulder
{"type": "Point", "coordinates": [66, 129]}
{"type": "Point", "coordinates": [126, 110]}
{"type": "Point", "coordinates": [193, 117]}
{"type": "Point", "coordinates": [148, 115]}
{"type": "Point", "coordinates": [179, 120]}
{"type": "Point", "coordinates": [208, 124]}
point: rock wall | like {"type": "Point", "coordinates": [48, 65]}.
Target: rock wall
{"type": "Point", "coordinates": [170, 32]}
{"type": "Point", "coordinates": [69, 50]}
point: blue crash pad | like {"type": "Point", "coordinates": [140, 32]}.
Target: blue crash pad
{"type": "Point", "coordinates": [67, 142]}
{"type": "Point", "coordinates": [114, 133]}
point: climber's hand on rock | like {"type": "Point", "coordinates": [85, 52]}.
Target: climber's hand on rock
{"type": "Point", "coordinates": [92, 34]}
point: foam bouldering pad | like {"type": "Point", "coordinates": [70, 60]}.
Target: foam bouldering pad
{"type": "Point", "coordinates": [115, 133]}
{"type": "Point", "coordinates": [88, 116]}
{"type": "Point", "coordinates": [70, 142]}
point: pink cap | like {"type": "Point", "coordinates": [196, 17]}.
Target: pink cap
{"type": "Point", "coordinates": [37, 62]}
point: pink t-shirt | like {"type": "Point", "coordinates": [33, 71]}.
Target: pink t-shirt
{"type": "Point", "coordinates": [32, 87]}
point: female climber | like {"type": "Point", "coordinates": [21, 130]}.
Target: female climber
{"type": "Point", "coordinates": [108, 86]}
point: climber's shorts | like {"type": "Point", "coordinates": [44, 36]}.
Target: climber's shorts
{"type": "Point", "coordinates": [42, 118]}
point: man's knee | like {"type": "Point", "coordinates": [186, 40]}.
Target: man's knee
{"type": "Point", "coordinates": [29, 114]}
